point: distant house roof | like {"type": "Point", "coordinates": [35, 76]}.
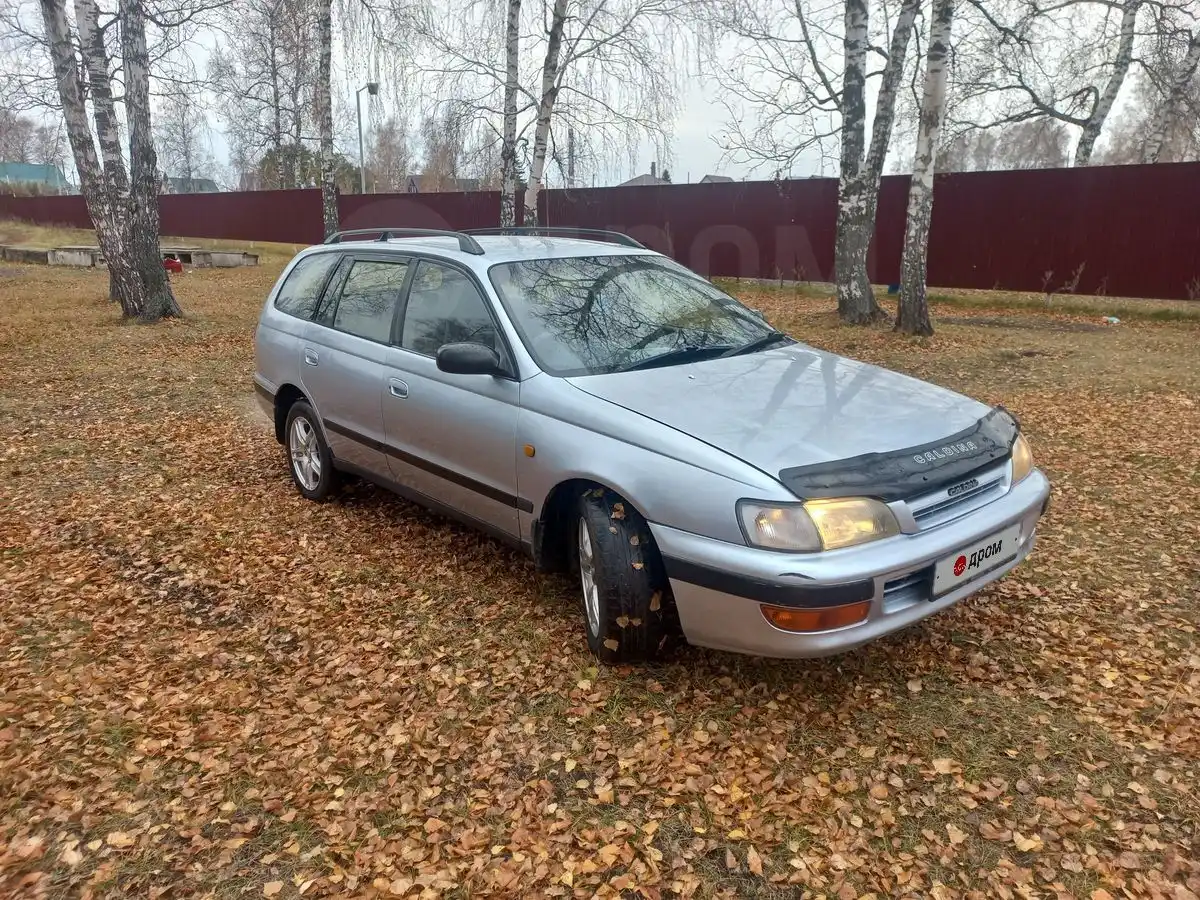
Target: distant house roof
{"type": "Point", "coordinates": [189, 185]}
{"type": "Point", "coordinates": [643, 181]}
{"type": "Point", "coordinates": [715, 179]}
{"type": "Point", "coordinates": [420, 183]}
{"type": "Point", "coordinates": [32, 173]}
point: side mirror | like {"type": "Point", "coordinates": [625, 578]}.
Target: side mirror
{"type": "Point", "coordinates": [469, 359]}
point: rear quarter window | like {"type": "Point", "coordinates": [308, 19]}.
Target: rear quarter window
{"type": "Point", "coordinates": [302, 289]}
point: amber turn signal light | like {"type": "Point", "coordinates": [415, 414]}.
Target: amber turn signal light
{"type": "Point", "coordinates": [824, 619]}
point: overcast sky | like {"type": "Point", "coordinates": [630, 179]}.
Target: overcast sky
{"type": "Point", "coordinates": [692, 151]}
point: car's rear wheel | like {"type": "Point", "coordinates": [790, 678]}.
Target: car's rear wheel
{"type": "Point", "coordinates": [623, 585]}
{"type": "Point", "coordinates": [309, 459]}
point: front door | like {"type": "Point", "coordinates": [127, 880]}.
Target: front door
{"type": "Point", "coordinates": [344, 353]}
{"type": "Point", "coordinates": [451, 437]}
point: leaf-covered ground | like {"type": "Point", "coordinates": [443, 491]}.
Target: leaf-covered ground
{"type": "Point", "coordinates": [210, 687]}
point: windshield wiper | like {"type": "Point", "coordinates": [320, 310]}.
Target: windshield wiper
{"type": "Point", "coordinates": [759, 343]}
{"type": "Point", "coordinates": [676, 356]}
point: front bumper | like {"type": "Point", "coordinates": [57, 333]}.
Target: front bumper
{"type": "Point", "coordinates": [719, 586]}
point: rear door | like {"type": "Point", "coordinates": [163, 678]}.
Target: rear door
{"type": "Point", "coordinates": [451, 437]}
{"type": "Point", "coordinates": [344, 352]}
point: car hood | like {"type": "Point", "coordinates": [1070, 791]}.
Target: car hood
{"type": "Point", "coordinates": [790, 407]}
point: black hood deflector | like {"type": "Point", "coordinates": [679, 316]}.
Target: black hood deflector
{"type": "Point", "coordinates": [900, 474]}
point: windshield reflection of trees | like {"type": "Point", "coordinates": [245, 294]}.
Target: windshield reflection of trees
{"type": "Point", "coordinates": [610, 312]}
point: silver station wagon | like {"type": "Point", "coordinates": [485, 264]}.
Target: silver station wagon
{"type": "Point", "coordinates": [625, 421]}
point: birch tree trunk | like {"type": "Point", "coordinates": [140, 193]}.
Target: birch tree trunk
{"type": "Point", "coordinates": [856, 300]}
{"type": "Point", "coordinates": [276, 94]}
{"type": "Point", "coordinates": [83, 149]}
{"type": "Point", "coordinates": [155, 298]}
{"type": "Point", "coordinates": [914, 306]}
{"type": "Point", "coordinates": [1104, 102]}
{"type": "Point", "coordinates": [96, 63]}
{"type": "Point", "coordinates": [508, 150]}
{"type": "Point", "coordinates": [329, 210]}
{"type": "Point", "coordinates": [1170, 108]}
{"type": "Point", "coordinates": [541, 134]}
{"type": "Point", "coordinates": [885, 118]}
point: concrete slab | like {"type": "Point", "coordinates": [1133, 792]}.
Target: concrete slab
{"type": "Point", "coordinates": [82, 257]}
{"type": "Point", "coordinates": [227, 259]}
{"type": "Point", "coordinates": [26, 253]}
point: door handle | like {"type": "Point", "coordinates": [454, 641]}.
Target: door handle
{"type": "Point", "coordinates": [310, 356]}
{"type": "Point", "coordinates": [398, 388]}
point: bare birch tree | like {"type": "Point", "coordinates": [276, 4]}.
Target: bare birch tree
{"type": "Point", "coordinates": [546, 98]}
{"type": "Point", "coordinates": [123, 209]}
{"type": "Point", "coordinates": [98, 63]}
{"type": "Point", "coordinates": [858, 181]}
{"type": "Point", "coordinates": [913, 315]}
{"type": "Point", "coordinates": [533, 72]}
{"type": "Point", "coordinates": [786, 72]}
{"type": "Point", "coordinates": [1175, 102]}
{"type": "Point", "coordinates": [324, 111]}
{"type": "Point", "coordinates": [1067, 60]}
{"type": "Point", "coordinates": [106, 203]}
{"type": "Point", "coordinates": [264, 81]}
{"type": "Point", "coordinates": [154, 297]}
{"type": "Point", "coordinates": [182, 139]}
{"type": "Point", "coordinates": [1104, 100]}
{"type": "Point", "coordinates": [512, 87]}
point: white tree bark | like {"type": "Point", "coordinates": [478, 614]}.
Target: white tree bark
{"type": "Point", "coordinates": [858, 185]}
{"type": "Point", "coordinates": [856, 302]}
{"type": "Point", "coordinates": [155, 299]}
{"type": "Point", "coordinates": [546, 100]}
{"type": "Point", "coordinates": [99, 199]}
{"type": "Point", "coordinates": [276, 91]}
{"type": "Point", "coordinates": [96, 64]}
{"type": "Point", "coordinates": [508, 149]}
{"type": "Point", "coordinates": [913, 317]}
{"type": "Point", "coordinates": [329, 210]}
{"type": "Point", "coordinates": [1170, 108]}
{"type": "Point", "coordinates": [1104, 102]}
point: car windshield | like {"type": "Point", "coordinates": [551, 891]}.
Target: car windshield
{"type": "Point", "coordinates": [594, 314]}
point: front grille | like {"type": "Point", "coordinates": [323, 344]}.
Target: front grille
{"type": "Point", "coordinates": [908, 589]}
{"type": "Point", "coordinates": [938, 508]}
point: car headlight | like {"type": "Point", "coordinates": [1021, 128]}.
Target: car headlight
{"type": "Point", "coordinates": [816, 524]}
{"type": "Point", "coordinates": [1022, 459]}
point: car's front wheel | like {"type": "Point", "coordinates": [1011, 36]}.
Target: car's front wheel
{"type": "Point", "coordinates": [309, 458]}
{"type": "Point", "coordinates": [624, 589]}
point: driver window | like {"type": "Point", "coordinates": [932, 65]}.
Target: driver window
{"type": "Point", "coordinates": [445, 307]}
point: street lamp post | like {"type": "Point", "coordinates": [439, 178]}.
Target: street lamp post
{"type": "Point", "coordinates": [372, 88]}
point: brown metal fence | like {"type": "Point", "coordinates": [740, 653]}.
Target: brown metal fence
{"type": "Point", "coordinates": [1124, 230]}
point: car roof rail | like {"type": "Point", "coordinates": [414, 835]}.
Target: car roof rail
{"type": "Point", "coordinates": [466, 243]}
{"type": "Point", "coordinates": [614, 237]}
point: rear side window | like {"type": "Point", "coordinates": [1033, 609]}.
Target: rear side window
{"type": "Point", "coordinates": [300, 293]}
{"type": "Point", "coordinates": [368, 299]}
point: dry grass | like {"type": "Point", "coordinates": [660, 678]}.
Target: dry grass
{"type": "Point", "coordinates": [15, 232]}
{"type": "Point", "coordinates": [1091, 307]}
{"type": "Point", "coordinates": [210, 687]}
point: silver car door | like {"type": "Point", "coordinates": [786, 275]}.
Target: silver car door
{"type": "Point", "coordinates": [451, 437]}
{"type": "Point", "coordinates": [343, 356]}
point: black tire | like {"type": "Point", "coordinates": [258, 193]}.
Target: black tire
{"type": "Point", "coordinates": [320, 487]}
{"type": "Point", "coordinates": [633, 593]}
